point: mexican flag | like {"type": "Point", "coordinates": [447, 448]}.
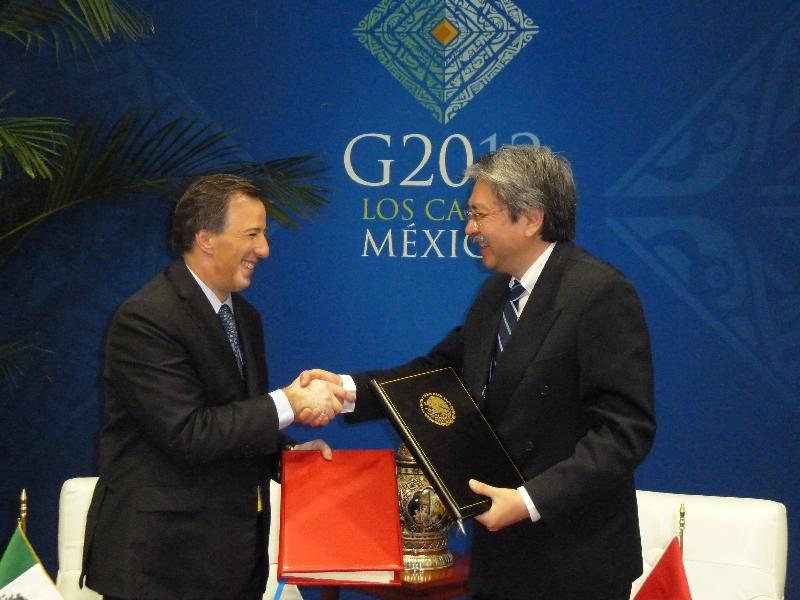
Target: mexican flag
{"type": "Point", "coordinates": [22, 576]}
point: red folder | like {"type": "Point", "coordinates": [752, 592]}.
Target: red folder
{"type": "Point", "coordinates": [340, 519]}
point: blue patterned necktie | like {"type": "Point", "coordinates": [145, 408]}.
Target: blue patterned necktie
{"type": "Point", "coordinates": [507, 322]}
{"type": "Point", "coordinates": [229, 324]}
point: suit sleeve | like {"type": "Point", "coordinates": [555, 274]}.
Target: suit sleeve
{"type": "Point", "coordinates": [447, 353]}
{"type": "Point", "coordinates": [616, 398]}
{"type": "Point", "coordinates": [193, 416]}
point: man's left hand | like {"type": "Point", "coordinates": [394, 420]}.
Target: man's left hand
{"type": "Point", "coordinates": [508, 507]}
{"type": "Point", "coordinates": [320, 445]}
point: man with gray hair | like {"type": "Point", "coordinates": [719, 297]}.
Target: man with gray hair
{"type": "Point", "coordinates": [556, 350]}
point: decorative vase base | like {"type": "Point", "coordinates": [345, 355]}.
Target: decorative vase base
{"type": "Point", "coordinates": [424, 520]}
{"type": "Point", "coordinates": [427, 562]}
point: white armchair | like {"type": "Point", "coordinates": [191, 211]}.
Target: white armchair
{"type": "Point", "coordinates": [76, 494]}
{"type": "Point", "coordinates": [73, 505]}
{"type": "Point", "coordinates": [733, 548]}
{"type": "Point", "coordinates": [289, 592]}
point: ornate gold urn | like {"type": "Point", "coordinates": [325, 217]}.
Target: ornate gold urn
{"type": "Point", "coordinates": [424, 520]}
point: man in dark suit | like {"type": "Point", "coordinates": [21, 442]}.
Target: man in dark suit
{"type": "Point", "coordinates": [556, 350]}
{"type": "Point", "coordinates": [191, 436]}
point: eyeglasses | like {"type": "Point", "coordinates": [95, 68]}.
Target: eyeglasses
{"type": "Point", "coordinates": [477, 217]}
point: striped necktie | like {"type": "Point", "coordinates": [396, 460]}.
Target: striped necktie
{"type": "Point", "coordinates": [229, 324]}
{"type": "Point", "coordinates": [507, 322]}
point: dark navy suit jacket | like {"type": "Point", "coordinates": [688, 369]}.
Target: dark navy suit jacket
{"type": "Point", "coordinates": [572, 399]}
{"type": "Point", "coordinates": [186, 445]}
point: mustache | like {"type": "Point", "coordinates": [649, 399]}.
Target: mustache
{"type": "Point", "coordinates": [478, 239]}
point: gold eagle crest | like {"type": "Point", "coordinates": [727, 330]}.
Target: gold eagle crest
{"type": "Point", "coordinates": [437, 409]}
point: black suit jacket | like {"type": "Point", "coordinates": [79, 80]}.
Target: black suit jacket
{"type": "Point", "coordinates": [572, 399]}
{"type": "Point", "coordinates": [186, 445]}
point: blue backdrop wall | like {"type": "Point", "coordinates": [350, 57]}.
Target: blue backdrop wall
{"type": "Point", "coordinates": [681, 120]}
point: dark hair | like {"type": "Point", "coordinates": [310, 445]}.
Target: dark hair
{"type": "Point", "coordinates": [525, 177]}
{"type": "Point", "coordinates": [204, 205]}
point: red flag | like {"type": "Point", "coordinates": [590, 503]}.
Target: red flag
{"type": "Point", "coordinates": [667, 580]}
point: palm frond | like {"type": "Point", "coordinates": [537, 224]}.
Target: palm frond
{"type": "Point", "coordinates": [77, 23]}
{"type": "Point", "coordinates": [149, 152]}
{"type": "Point", "coordinates": [16, 356]}
{"type": "Point", "coordinates": [34, 144]}
{"type": "Point", "coordinates": [293, 186]}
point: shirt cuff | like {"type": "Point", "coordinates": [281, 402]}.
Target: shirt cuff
{"type": "Point", "coordinates": [350, 385]}
{"type": "Point", "coordinates": [285, 412]}
{"type": "Point", "coordinates": [535, 516]}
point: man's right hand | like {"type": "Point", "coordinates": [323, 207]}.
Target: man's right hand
{"type": "Point", "coordinates": [318, 402]}
{"type": "Point", "coordinates": [310, 375]}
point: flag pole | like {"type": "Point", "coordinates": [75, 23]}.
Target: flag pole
{"type": "Point", "coordinates": [23, 511]}
{"type": "Point", "coordinates": [681, 526]}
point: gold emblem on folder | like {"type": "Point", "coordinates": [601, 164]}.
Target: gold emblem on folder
{"type": "Point", "coordinates": [437, 409]}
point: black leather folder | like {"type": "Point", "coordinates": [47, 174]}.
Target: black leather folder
{"type": "Point", "coordinates": [448, 435]}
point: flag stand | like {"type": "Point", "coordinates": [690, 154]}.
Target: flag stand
{"type": "Point", "coordinates": [23, 511]}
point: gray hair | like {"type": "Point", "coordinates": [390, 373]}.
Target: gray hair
{"type": "Point", "coordinates": [532, 177]}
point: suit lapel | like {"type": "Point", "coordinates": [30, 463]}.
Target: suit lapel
{"type": "Point", "coordinates": [200, 311]}
{"type": "Point", "coordinates": [537, 319]}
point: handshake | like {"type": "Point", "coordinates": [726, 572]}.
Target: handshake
{"type": "Point", "coordinates": [317, 396]}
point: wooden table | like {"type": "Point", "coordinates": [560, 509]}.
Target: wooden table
{"type": "Point", "coordinates": [439, 584]}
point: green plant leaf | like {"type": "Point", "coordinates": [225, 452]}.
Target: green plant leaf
{"type": "Point", "coordinates": [140, 153]}
{"type": "Point", "coordinates": [77, 23]}
{"type": "Point", "coordinates": [33, 143]}
{"type": "Point", "coordinates": [16, 357]}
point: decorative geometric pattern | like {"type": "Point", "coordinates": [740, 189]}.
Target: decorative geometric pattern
{"type": "Point", "coordinates": [738, 142]}
{"type": "Point", "coordinates": [445, 52]}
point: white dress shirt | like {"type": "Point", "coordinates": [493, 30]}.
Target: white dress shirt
{"type": "Point", "coordinates": [278, 397]}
